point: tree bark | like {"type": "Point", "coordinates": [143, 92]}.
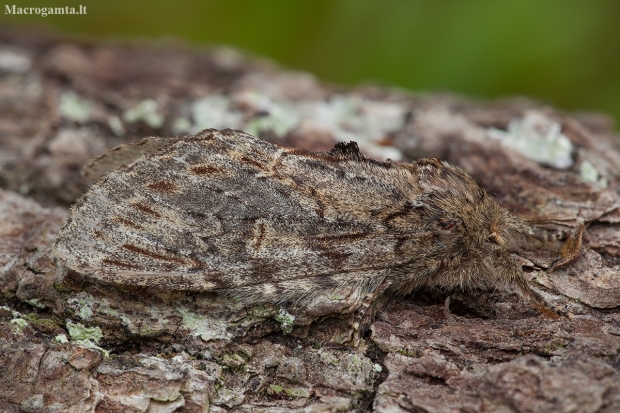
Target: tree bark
{"type": "Point", "coordinates": [69, 343]}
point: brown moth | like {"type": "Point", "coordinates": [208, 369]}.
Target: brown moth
{"type": "Point", "coordinates": [226, 211]}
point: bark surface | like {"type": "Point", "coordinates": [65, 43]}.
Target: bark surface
{"type": "Point", "coordinates": [71, 344]}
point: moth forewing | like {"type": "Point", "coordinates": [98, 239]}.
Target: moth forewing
{"type": "Point", "coordinates": [226, 211]}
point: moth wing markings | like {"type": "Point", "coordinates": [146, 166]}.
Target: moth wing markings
{"type": "Point", "coordinates": [235, 182]}
{"type": "Point", "coordinates": [229, 221]}
{"type": "Point", "coordinates": [283, 254]}
{"type": "Point", "coordinates": [105, 212]}
{"type": "Point", "coordinates": [308, 260]}
{"type": "Point", "coordinates": [158, 221]}
{"type": "Point", "coordinates": [128, 246]}
{"type": "Point", "coordinates": [369, 187]}
{"type": "Point", "coordinates": [348, 185]}
{"type": "Point", "coordinates": [125, 237]}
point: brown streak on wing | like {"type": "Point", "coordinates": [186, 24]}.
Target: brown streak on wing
{"type": "Point", "coordinates": [320, 210]}
{"type": "Point", "coordinates": [274, 170]}
{"type": "Point", "coordinates": [230, 133]}
{"type": "Point", "coordinates": [261, 235]}
{"type": "Point", "coordinates": [404, 210]}
{"type": "Point", "coordinates": [205, 170]}
{"type": "Point", "coordinates": [336, 254]}
{"type": "Point", "coordinates": [252, 162]}
{"type": "Point", "coordinates": [163, 186]}
{"type": "Point", "coordinates": [146, 209]}
{"type": "Point", "coordinates": [148, 253]}
{"type": "Point", "coordinates": [126, 222]}
{"type": "Point", "coordinates": [337, 258]}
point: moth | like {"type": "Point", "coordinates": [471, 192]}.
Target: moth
{"type": "Point", "coordinates": [226, 211]}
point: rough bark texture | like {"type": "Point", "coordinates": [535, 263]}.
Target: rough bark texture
{"type": "Point", "coordinates": [68, 343]}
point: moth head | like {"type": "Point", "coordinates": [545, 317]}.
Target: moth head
{"type": "Point", "coordinates": [459, 207]}
{"type": "Point", "coordinates": [497, 225]}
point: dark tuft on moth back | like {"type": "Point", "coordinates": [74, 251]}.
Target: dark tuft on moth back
{"type": "Point", "coordinates": [346, 149]}
{"type": "Point", "coordinates": [223, 210]}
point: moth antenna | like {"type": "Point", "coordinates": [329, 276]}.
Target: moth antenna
{"type": "Point", "coordinates": [553, 234]}
{"type": "Point", "coordinates": [543, 234]}
{"type": "Point", "coordinates": [520, 227]}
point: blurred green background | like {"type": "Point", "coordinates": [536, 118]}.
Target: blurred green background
{"type": "Point", "coordinates": [563, 52]}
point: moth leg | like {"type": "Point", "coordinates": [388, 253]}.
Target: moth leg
{"type": "Point", "coordinates": [446, 306]}
{"type": "Point", "coordinates": [537, 301]}
{"type": "Point", "coordinates": [517, 278]}
{"type": "Point", "coordinates": [571, 250]}
{"type": "Point", "coordinates": [369, 299]}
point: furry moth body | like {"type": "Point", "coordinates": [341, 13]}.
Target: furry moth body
{"type": "Point", "coordinates": [226, 211]}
